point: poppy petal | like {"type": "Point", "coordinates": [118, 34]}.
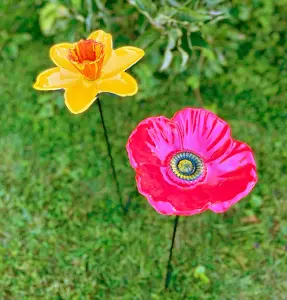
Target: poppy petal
{"type": "Point", "coordinates": [232, 176]}
{"type": "Point", "coordinates": [80, 96]}
{"type": "Point", "coordinates": [59, 55]}
{"type": "Point", "coordinates": [104, 38]}
{"type": "Point", "coordinates": [54, 79]}
{"type": "Point", "coordinates": [167, 198]}
{"type": "Point", "coordinates": [224, 185]}
{"type": "Point", "coordinates": [203, 132]}
{"type": "Point", "coordinates": [121, 59]}
{"type": "Point", "coordinates": [122, 84]}
{"type": "Point", "coordinates": [152, 141]}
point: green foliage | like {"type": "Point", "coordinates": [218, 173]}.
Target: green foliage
{"type": "Point", "coordinates": [53, 17]}
{"type": "Point", "coordinates": [200, 273]}
{"type": "Point", "coordinates": [11, 43]}
{"type": "Point", "coordinates": [185, 41]}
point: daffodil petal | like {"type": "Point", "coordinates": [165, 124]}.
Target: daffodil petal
{"type": "Point", "coordinates": [80, 95]}
{"type": "Point", "coordinates": [59, 55]}
{"type": "Point", "coordinates": [104, 38]}
{"type": "Point", "coordinates": [54, 79]}
{"type": "Point", "coordinates": [122, 59]}
{"type": "Point", "coordinates": [122, 84]}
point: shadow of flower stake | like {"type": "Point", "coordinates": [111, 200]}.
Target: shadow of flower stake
{"type": "Point", "coordinates": [188, 164]}
{"type": "Point", "coordinates": [87, 68]}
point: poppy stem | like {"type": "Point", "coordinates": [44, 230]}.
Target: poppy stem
{"type": "Point", "coordinates": [109, 151]}
{"type": "Point", "coordinates": [169, 267]}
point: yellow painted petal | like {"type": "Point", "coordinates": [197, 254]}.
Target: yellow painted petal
{"type": "Point", "coordinates": [80, 96]}
{"type": "Point", "coordinates": [59, 55]}
{"type": "Point", "coordinates": [122, 84]}
{"type": "Point", "coordinates": [122, 59]}
{"type": "Point", "coordinates": [54, 79]}
{"type": "Point", "coordinates": [104, 38]}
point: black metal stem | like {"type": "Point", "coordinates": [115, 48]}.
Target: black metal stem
{"type": "Point", "coordinates": [169, 267]}
{"type": "Point", "coordinates": [109, 151]}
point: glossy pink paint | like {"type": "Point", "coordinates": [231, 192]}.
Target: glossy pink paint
{"type": "Point", "coordinates": [230, 169]}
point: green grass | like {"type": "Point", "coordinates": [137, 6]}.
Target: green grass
{"type": "Point", "coordinates": [63, 234]}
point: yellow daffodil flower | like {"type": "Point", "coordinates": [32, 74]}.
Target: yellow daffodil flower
{"type": "Point", "coordinates": [90, 67]}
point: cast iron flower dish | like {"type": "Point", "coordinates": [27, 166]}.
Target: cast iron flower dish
{"type": "Point", "coordinates": [89, 67]}
{"type": "Point", "coordinates": [190, 163]}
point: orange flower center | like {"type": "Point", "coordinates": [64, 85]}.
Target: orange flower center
{"type": "Point", "coordinates": [88, 57]}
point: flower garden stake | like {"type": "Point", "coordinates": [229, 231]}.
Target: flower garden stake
{"type": "Point", "coordinates": [189, 164]}
{"type": "Point", "coordinates": [87, 68]}
{"type": "Point", "coordinates": [169, 266]}
{"type": "Point", "coordinates": [110, 153]}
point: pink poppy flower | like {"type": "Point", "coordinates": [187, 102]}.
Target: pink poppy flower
{"type": "Point", "coordinates": [189, 163]}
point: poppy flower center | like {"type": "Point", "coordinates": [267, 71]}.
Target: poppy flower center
{"type": "Point", "coordinates": [87, 56]}
{"type": "Point", "coordinates": [187, 166]}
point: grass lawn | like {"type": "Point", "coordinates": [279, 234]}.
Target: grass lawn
{"type": "Point", "coordinates": [63, 234]}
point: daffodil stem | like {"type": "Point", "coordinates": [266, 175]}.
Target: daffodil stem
{"type": "Point", "coordinates": [169, 267]}
{"type": "Point", "coordinates": [109, 151]}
